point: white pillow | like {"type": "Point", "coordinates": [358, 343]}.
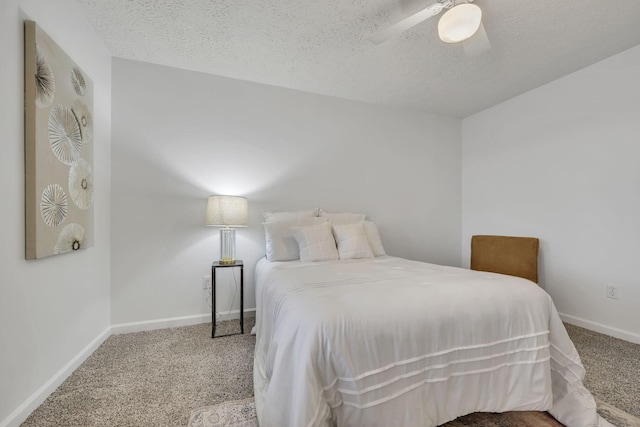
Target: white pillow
{"type": "Point", "coordinates": [375, 242]}
{"type": "Point", "coordinates": [316, 242]}
{"type": "Point", "coordinates": [342, 218]}
{"type": "Point", "coordinates": [352, 241]}
{"type": "Point", "coordinates": [282, 216]}
{"type": "Point", "coordinates": [281, 245]}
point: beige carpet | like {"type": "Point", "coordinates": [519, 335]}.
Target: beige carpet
{"type": "Point", "coordinates": [242, 413]}
{"type": "Point", "coordinates": [613, 368]}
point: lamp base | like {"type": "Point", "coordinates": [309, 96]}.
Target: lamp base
{"type": "Point", "coordinates": [227, 246]}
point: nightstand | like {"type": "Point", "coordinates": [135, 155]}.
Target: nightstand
{"type": "Point", "coordinates": [215, 266]}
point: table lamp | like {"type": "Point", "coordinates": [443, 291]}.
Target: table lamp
{"type": "Point", "coordinates": [227, 212]}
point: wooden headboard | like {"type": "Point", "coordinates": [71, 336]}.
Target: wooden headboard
{"type": "Point", "coordinates": [516, 256]}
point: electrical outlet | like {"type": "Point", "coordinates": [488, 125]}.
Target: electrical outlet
{"type": "Point", "coordinates": [206, 282]}
{"type": "Point", "coordinates": [612, 292]}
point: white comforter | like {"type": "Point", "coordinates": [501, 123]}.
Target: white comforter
{"type": "Point", "coordinates": [393, 342]}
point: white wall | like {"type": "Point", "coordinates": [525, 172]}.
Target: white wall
{"type": "Point", "coordinates": [50, 309]}
{"type": "Point", "coordinates": [179, 136]}
{"type": "Point", "coordinates": [562, 163]}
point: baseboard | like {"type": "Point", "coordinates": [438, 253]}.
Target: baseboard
{"type": "Point", "coordinates": [235, 314]}
{"type": "Point", "coordinates": [174, 322]}
{"type": "Point", "coordinates": [28, 406]}
{"type": "Point", "coordinates": [599, 327]}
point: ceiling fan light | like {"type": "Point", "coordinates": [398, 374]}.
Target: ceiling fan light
{"type": "Point", "coordinates": [459, 23]}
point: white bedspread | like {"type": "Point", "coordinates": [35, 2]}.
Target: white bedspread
{"type": "Point", "coordinates": [393, 342]}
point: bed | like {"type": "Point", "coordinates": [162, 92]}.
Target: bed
{"type": "Point", "coordinates": [387, 341]}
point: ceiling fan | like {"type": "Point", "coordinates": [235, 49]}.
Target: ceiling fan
{"type": "Point", "coordinates": [461, 23]}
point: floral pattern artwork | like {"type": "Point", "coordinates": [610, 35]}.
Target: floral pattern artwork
{"type": "Point", "coordinates": [83, 115]}
{"type": "Point", "coordinates": [53, 205]}
{"type": "Point", "coordinates": [59, 139]}
{"type": "Point", "coordinates": [77, 81]}
{"type": "Point", "coordinates": [65, 136]}
{"type": "Point", "coordinates": [71, 238]}
{"type": "Point", "coordinates": [81, 184]}
{"type": "Point", "coordinates": [45, 82]}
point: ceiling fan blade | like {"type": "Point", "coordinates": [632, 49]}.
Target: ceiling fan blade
{"type": "Point", "coordinates": [405, 24]}
{"type": "Point", "coordinates": [478, 43]}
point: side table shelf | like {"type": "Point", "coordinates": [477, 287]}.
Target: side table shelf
{"type": "Point", "coordinates": [214, 267]}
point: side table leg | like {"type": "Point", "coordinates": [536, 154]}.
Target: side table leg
{"type": "Point", "coordinates": [213, 302]}
{"type": "Point", "coordinates": [242, 299]}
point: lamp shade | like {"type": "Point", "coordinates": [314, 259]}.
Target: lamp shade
{"type": "Point", "coordinates": [459, 23]}
{"type": "Point", "coordinates": [227, 211]}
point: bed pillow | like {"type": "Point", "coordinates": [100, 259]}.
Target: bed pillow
{"type": "Point", "coordinates": [375, 242]}
{"type": "Point", "coordinates": [281, 245]}
{"type": "Point", "coordinates": [343, 217]}
{"type": "Point", "coordinates": [282, 216]}
{"type": "Point", "coordinates": [316, 242]}
{"type": "Point", "coordinates": [352, 241]}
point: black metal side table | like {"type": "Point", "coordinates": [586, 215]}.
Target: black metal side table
{"type": "Point", "coordinates": [216, 265]}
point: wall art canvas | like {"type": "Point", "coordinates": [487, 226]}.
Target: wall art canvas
{"type": "Point", "coordinates": [58, 149]}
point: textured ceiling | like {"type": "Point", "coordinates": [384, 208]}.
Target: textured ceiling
{"type": "Point", "coordinates": [321, 46]}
